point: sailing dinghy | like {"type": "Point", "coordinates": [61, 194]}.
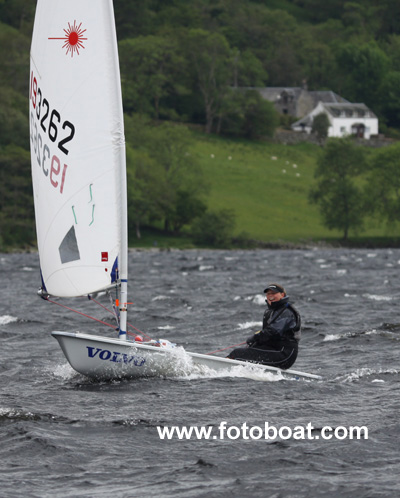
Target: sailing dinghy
{"type": "Point", "coordinates": [79, 184]}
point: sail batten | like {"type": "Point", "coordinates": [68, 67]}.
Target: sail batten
{"type": "Point", "coordinates": [77, 146]}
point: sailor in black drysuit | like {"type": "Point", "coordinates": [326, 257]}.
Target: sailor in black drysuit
{"type": "Point", "coordinates": [277, 343]}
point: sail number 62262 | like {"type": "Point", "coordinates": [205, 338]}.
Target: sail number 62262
{"type": "Point", "coordinates": [47, 120]}
{"type": "Point", "coordinates": [51, 167]}
{"type": "Point", "coordinates": [50, 121]}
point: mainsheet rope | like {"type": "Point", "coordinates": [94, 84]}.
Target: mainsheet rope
{"type": "Point", "coordinates": [130, 325]}
{"type": "Point", "coordinates": [80, 313]}
{"type": "Point", "coordinates": [96, 319]}
{"type": "Point", "coordinates": [113, 313]}
{"type": "Point", "coordinates": [229, 347]}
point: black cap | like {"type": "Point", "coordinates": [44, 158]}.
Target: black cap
{"type": "Point", "coordinates": [275, 288]}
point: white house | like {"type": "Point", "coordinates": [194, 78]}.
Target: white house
{"type": "Point", "coordinates": [345, 119]}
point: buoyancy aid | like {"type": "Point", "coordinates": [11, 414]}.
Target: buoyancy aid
{"type": "Point", "coordinates": [275, 310]}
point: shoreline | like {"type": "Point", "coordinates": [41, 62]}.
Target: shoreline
{"type": "Point", "coordinates": [253, 246]}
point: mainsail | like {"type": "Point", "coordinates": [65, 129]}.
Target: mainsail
{"type": "Point", "coordinates": [77, 147]}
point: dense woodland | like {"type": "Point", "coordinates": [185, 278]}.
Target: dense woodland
{"type": "Point", "coordinates": [194, 62]}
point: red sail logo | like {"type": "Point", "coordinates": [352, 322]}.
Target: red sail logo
{"type": "Point", "coordinates": [73, 39]}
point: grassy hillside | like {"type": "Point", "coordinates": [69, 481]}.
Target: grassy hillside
{"type": "Point", "coordinates": [267, 186]}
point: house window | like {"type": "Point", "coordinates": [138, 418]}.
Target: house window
{"type": "Point", "coordinates": [358, 129]}
{"type": "Point", "coordinates": [342, 129]}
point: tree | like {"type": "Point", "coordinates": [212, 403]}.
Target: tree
{"type": "Point", "coordinates": [19, 14]}
{"type": "Point", "coordinates": [181, 169]}
{"type": "Point", "coordinates": [214, 228]}
{"type": "Point", "coordinates": [150, 69]}
{"type": "Point", "coordinates": [211, 60]}
{"type": "Point", "coordinates": [317, 61]}
{"type": "Point", "coordinates": [14, 61]}
{"type": "Point", "coordinates": [247, 114]}
{"type": "Point", "coordinates": [247, 70]}
{"type": "Point", "coordinates": [363, 20]}
{"type": "Point", "coordinates": [287, 74]}
{"type": "Point", "coordinates": [321, 125]}
{"type": "Point", "coordinates": [187, 208]}
{"type": "Point", "coordinates": [17, 226]}
{"type": "Point", "coordinates": [319, 11]}
{"type": "Point", "coordinates": [167, 158]}
{"type": "Point", "coordinates": [363, 68]}
{"type": "Point", "coordinates": [145, 180]}
{"type": "Point", "coordinates": [337, 193]}
{"type": "Point", "coordinates": [389, 18]}
{"type": "Point", "coordinates": [391, 98]}
{"type": "Point", "coordinates": [383, 187]}
{"type": "Point", "coordinates": [134, 18]}
{"type": "Point", "coordinates": [14, 125]}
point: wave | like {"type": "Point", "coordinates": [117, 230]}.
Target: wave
{"type": "Point", "coordinates": [129, 422]}
{"type": "Point", "coordinates": [16, 415]}
{"type": "Point", "coordinates": [185, 369]}
{"type": "Point", "coordinates": [349, 335]}
{"type": "Point", "coordinates": [248, 325]}
{"type": "Point", "coordinates": [375, 297]}
{"type": "Point", "coordinates": [239, 372]}
{"type": "Point", "coordinates": [6, 319]}
{"type": "Point", "coordinates": [64, 371]}
{"type": "Point", "coordinates": [206, 267]}
{"type": "Point", "coordinates": [13, 414]}
{"type": "Point", "coordinates": [160, 298]}
{"type": "Point", "coordinates": [259, 299]}
{"type": "Point", "coordinates": [361, 373]}
{"type": "Point", "coordinates": [21, 415]}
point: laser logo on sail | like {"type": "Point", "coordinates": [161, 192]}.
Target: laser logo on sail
{"type": "Point", "coordinates": [73, 38]}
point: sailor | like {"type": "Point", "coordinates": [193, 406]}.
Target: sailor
{"type": "Point", "coordinates": [276, 344]}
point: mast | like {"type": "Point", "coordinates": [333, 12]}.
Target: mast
{"type": "Point", "coordinates": [123, 310]}
{"type": "Point", "coordinates": [119, 140]}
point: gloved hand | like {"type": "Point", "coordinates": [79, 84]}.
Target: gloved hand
{"type": "Point", "coordinates": [253, 339]}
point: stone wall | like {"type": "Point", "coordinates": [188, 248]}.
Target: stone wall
{"type": "Point", "coordinates": [289, 137]}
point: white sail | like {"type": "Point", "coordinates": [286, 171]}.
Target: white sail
{"type": "Point", "coordinates": [77, 146]}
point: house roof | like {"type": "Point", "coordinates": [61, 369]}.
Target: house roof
{"type": "Point", "coordinates": [346, 110]}
{"type": "Point", "coordinates": [349, 110]}
{"type": "Point", "coordinates": [306, 121]}
{"type": "Point", "coordinates": [274, 93]}
{"type": "Point", "coordinates": [327, 96]}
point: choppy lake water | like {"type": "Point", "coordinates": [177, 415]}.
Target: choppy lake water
{"type": "Point", "coordinates": [63, 435]}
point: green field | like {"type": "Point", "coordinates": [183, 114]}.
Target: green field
{"type": "Point", "coordinates": [266, 185]}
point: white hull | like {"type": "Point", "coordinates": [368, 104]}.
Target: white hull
{"type": "Point", "coordinates": [106, 359]}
